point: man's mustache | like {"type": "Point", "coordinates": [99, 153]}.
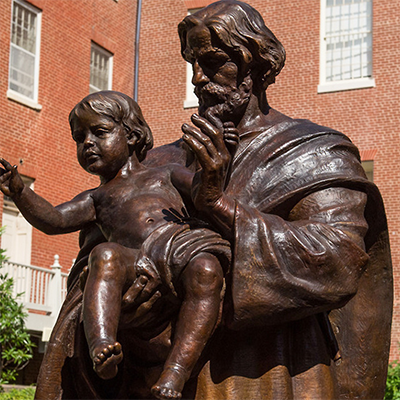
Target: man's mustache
{"type": "Point", "coordinates": [212, 90]}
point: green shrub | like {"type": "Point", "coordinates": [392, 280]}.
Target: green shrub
{"type": "Point", "coordinates": [15, 342]}
{"type": "Point", "coordinates": [18, 394]}
{"type": "Point", "coordinates": [393, 382]}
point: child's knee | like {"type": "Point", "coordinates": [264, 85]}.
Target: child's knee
{"type": "Point", "coordinates": [204, 272]}
{"type": "Point", "coordinates": [105, 257]}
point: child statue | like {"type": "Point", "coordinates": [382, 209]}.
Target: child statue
{"type": "Point", "coordinates": [135, 208]}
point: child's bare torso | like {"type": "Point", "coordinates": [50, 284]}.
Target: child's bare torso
{"type": "Point", "coordinates": [129, 208]}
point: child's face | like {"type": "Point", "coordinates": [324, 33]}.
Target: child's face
{"type": "Point", "coordinates": [102, 144]}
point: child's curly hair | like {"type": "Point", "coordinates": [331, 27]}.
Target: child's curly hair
{"type": "Point", "coordinates": [123, 110]}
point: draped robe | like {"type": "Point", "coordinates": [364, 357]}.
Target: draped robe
{"type": "Point", "coordinates": [310, 239]}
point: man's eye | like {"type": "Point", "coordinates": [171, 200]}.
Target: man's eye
{"type": "Point", "coordinates": [213, 63]}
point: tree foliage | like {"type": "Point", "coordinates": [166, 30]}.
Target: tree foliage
{"type": "Point", "coordinates": [393, 382]}
{"type": "Point", "coordinates": [15, 342]}
{"type": "Point", "coordinates": [19, 394]}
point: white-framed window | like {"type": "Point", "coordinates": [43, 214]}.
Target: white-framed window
{"type": "Point", "coordinates": [16, 239]}
{"type": "Point", "coordinates": [101, 62]}
{"type": "Point", "coordinates": [346, 45]}
{"type": "Point", "coordinates": [23, 82]}
{"type": "Point", "coordinates": [191, 99]}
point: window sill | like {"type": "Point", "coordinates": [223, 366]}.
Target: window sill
{"type": "Point", "coordinates": [349, 84]}
{"type": "Point", "coordinates": [192, 103]}
{"type": "Point", "coordinates": [26, 101]}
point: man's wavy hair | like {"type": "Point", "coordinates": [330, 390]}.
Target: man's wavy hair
{"type": "Point", "coordinates": [121, 109]}
{"type": "Point", "coordinates": [239, 29]}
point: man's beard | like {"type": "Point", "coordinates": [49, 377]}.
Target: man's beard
{"type": "Point", "coordinates": [227, 104]}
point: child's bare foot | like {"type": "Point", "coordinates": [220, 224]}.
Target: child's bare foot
{"type": "Point", "coordinates": [170, 383]}
{"type": "Point", "coordinates": [106, 360]}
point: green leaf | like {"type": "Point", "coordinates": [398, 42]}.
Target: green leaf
{"type": "Point", "coordinates": [16, 345]}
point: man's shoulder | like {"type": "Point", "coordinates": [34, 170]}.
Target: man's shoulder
{"type": "Point", "coordinates": [291, 135]}
{"type": "Point", "coordinates": [286, 131]}
{"type": "Point", "coordinates": [307, 127]}
{"type": "Point", "coordinates": [300, 125]}
{"type": "Point", "coordinates": [171, 153]}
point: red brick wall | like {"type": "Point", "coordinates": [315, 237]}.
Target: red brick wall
{"type": "Point", "coordinates": [42, 138]}
{"type": "Point", "coordinates": [370, 117]}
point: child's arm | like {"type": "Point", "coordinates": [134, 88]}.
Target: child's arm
{"type": "Point", "coordinates": [67, 217]}
{"type": "Point", "coordinates": [182, 179]}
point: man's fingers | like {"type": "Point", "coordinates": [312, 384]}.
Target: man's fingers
{"type": "Point", "coordinates": [212, 129]}
{"type": "Point", "coordinates": [148, 290]}
{"type": "Point", "coordinates": [130, 297]}
{"type": "Point", "coordinates": [215, 121]}
{"type": "Point", "coordinates": [216, 135]}
{"type": "Point", "coordinates": [231, 139]}
{"type": "Point", "coordinates": [198, 149]}
{"type": "Point", "coordinates": [201, 137]}
{"type": "Point", "coordinates": [200, 141]}
{"type": "Point", "coordinates": [231, 135]}
{"type": "Point", "coordinates": [145, 307]}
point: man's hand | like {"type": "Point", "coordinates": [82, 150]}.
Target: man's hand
{"type": "Point", "coordinates": [214, 145]}
{"type": "Point", "coordinates": [206, 140]}
{"type": "Point", "coordinates": [138, 301]}
{"type": "Point", "coordinates": [11, 183]}
{"type": "Point", "coordinates": [141, 293]}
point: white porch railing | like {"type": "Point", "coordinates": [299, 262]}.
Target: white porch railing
{"type": "Point", "coordinates": [43, 289]}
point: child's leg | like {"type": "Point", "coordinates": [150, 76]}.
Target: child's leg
{"type": "Point", "coordinates": [202, 282]}
{"type": "Point", "coordinates": [110, 267]}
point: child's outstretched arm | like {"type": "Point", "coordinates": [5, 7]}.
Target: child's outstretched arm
{"type": "Point", "coordinates": [67, 217]}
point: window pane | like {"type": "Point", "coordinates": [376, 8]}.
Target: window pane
{"type": "Point", "coordinates": [24, 28]}
{"type": "Point", "coordinates": [22, 72]}
{"type": "Point", "coordinates": [23, 50]}
{"type": "Point", "coordinates": [99, 69]}
{"type": "Point", "coordinates": [348, 39]}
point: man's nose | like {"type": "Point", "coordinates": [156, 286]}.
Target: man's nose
{"type": "Point", "coordinates": [199, 77]}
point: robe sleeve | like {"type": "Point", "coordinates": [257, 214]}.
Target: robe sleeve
{"type": "Point", "coordinates": [310, 262]}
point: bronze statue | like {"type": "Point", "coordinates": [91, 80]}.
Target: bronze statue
{"type": "Point", "coordinates": [308, 235]}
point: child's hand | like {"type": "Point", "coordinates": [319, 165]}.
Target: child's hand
{"type": "Point", "coordinates": [11, 183]}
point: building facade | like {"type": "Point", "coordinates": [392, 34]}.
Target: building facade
{"type": "Point", "coordinates": [341, 71]}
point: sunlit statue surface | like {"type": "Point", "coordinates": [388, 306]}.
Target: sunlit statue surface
{"type": "Point", "coordinates": [302, 309]}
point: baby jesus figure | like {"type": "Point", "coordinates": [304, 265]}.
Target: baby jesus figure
{"type": "Point", "coordinates": [134, 206]}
